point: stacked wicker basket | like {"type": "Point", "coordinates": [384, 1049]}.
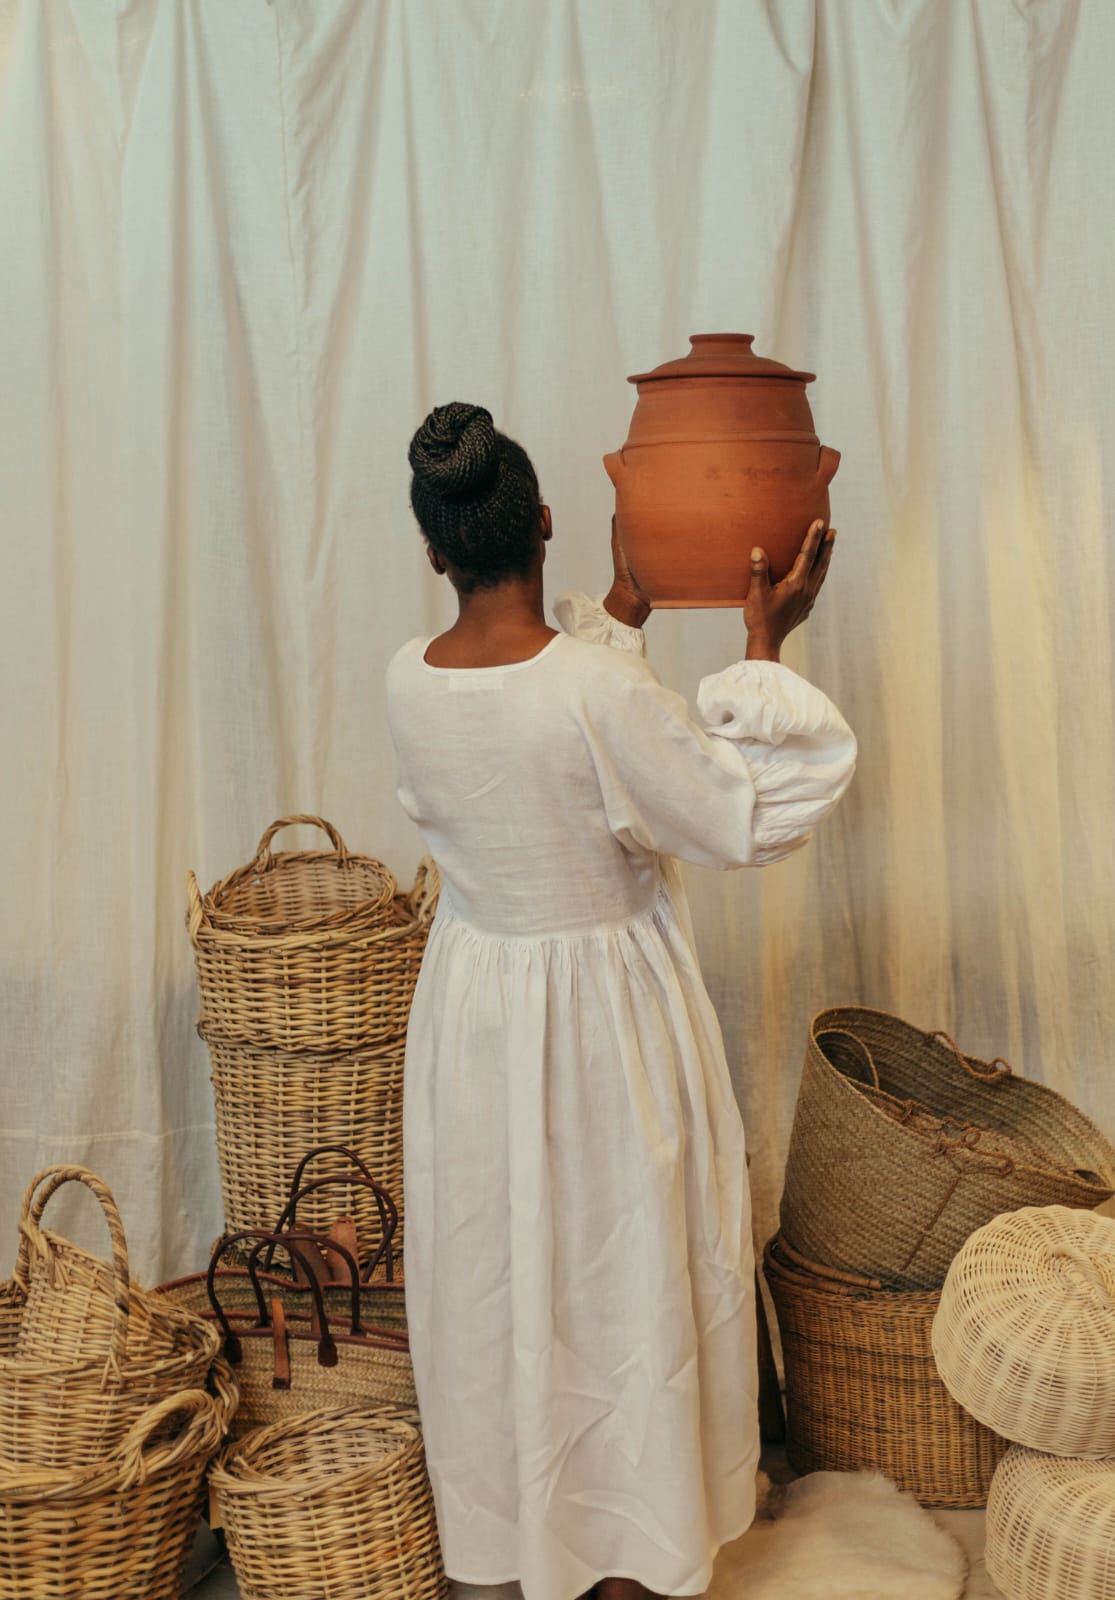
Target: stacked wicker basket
{"type": "Point", "coordinates": [307, 963]}
{"type": "Point", "coordinates": [112, 1404]}
{"type": "Point", "coordinates": [1025, 1340]}
{"type": "Point", "coordinates": [901, 1147]}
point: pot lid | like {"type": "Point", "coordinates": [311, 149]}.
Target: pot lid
{"type": "Point", "coordinates": [722, 355]}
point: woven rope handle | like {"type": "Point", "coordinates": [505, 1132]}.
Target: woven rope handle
{"type": "Point", "coordinates": [995, 1070]}
{"type": "Point", "coordinates": [139, 1458]}
{"type": "Point", "coordinates": [423, 896]}
{"type": "Point", "coordinates": [264, 860]}
{"type": "Point", "coordinates": [35, 1247]}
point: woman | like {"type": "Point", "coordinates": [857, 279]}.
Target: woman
{"type": "Point", "coordinates": [578, 1257]}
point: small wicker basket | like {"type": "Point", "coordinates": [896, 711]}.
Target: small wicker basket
{"type": "Point", "coordinates": [862, 1391]}
{"type": "Point", "coordinates": [120, 1528]}
{"type": "Point", "coordinates": [324, 983]}
{"type": "Point", "coordinates": [1051, 1527]}
{"type": "Point", "coordinates": [335, 1505]}
{"type": "Point", "coordinates": [902, 1146]}
{"type": "Point", "coordinates": [84, 1353]}
{"type": "Point", "coordinates": [1025, 1334]}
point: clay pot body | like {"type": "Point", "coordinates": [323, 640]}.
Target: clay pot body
{"type": "Point", "coordinates": [721, 456]}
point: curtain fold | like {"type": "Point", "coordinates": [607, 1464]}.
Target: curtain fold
{"type": "Point", "coordinates": [246, 247]}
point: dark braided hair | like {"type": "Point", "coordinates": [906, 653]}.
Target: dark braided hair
{"type": "Point", "coordinates": [475, 494]}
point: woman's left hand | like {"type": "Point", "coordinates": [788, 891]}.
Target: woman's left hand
{"type": "Point", "coordinates": [625, 600]}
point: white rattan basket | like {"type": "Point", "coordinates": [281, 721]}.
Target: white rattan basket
{"type": "Point", "coordinates": [1051, 1527]}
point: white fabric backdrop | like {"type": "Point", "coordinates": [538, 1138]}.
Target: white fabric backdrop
{"type": "Point", "coordinates": [247, 245]}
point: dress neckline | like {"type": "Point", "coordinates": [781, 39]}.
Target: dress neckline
{"type": "Point", "coordinates": [506, 666]}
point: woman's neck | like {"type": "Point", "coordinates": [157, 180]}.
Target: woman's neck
{"type": "Point", "coordinates": [495, 627]}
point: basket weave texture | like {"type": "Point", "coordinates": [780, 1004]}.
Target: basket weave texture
{"type": "Point", "coordinates": [1025, 1334]}
{"type": "Point", "coordinates": [120, 1528]}
{"type": "Point", "coordinates": [902, 1146]}
{"type": "Point", "coordinates": [862, 1390]}
{"type": "Point", "coordinates": [84, 1353]}
{"type": "Point", "coordinates": [333, 1506]}
{"type": "Point", "coordinates": [1051, 1527]}
{"type": "Point", "coordinates": [321, 974]}
{"type": "Point", "coordinates": [272, 1108]}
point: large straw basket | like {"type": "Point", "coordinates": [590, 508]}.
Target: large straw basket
{"type": "Point", "coordinates": [120, 1528]}
{"type": "Point", "coordinates": [862, 1391]}
{"type": "Point", "coordinates": [271, 1108]}
{"type": "Point", "coordinates": [1051, 1527]}
{"type": "Point", "coordinates": [335, 984]}
{"type": "Point", "coordinates": [83, 1352]}
{"type": "Point", "coordinates": [902, 1146]}
{"type": "Point", "coordinates": [292, 1353]}
{"type": "Point", "coordinates": [335, 1505]}
{"type": "Point", "coordinates": [1025, 1334]}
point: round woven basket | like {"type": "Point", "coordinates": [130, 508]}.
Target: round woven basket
{"type": "Point", "coordinates": [1051, 1527]}
{"type": "Point", "coordinates": [1025, 1334]}
{"type": "Point", "coordinates": [333, 1506]}
{"type": "Point", "coordinates": [271, 1108]}
{"type": "Point", "coordinates": [862, 1392]}
{"type": "Point", "coordinates": [120, 1528]}
{"type": "Point", "coordinates": [84, 1353]}
{"type": "Point", "coordinates": [302, 891]}
{"type": "Point", "coordinates": [902, 1146]}
{"type": "Point", "coordinates": [324, 987]}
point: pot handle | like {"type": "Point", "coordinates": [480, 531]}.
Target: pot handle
{"type": "Point", "coordinates": [828, 460]}
{"type": "Point", "coordinates": [615, 466]}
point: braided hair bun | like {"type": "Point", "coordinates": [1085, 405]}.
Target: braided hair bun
{"type": "Point", "coordinates": [475, 494]}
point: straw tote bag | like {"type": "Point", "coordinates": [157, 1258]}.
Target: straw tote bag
{"type": "Point", "coordinates": [902, 1146]}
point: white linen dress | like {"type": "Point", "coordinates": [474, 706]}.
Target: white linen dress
{"type": "Point", "coordinates": [578, 1257]}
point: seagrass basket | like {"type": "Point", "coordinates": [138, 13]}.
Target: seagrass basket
{"type": "Point", "coordinates": [120, 1528]}
{"type": "Point", "coordinates": [296, 1349]}
{"type": "Point", "coordinates": [862, 1390]}
{"type": "Point", "coordinates": [1051, 1527]}
{"type": "Point", "coordinates": [1024, 1337]}
{"type": "Point", "coordinates": [324, 986]}
{"type": "Point", "coordinates": [334, 1505]}
{"type": "Point", "coordinates": [272, 1107]}
{"type": "Point", "coordinates": [902, 1146]}
{"type": "Point", "coordinates": [84, 1352]}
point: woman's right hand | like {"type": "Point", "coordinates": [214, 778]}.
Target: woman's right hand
{"type": "Point", "coordinates": [770, 612]}
{"type": "Point", "coordinates": [625, 600]}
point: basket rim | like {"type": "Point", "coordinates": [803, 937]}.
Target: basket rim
{"type": "Point", "coordinates": [234, 1473]}
{"type": "Point", "coordinates": [831, 1281]}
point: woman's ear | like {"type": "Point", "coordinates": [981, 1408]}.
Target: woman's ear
{"type": "Point", "coordinates": [435, 560]}
{"type": "Point", "coordinates": [547, 524]}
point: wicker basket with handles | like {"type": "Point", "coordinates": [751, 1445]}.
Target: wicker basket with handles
{"type": "Point", "coordinates": [862, 1390]}
{"type": "Point", "coordinates": [309, 979]}
{"type": "Point", "coordinates": [335, 1504]}
{"type": "Point", "coordinates": [902, 1146]}
{"type": "Point", "coordinates": [84, 1352]}
{"type": "Point", "coordinates": [1024, 1336]}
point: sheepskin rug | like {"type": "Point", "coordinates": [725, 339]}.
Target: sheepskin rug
{"type": "Point", "coordinates": [829, 1536]}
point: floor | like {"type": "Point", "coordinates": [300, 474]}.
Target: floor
{"type": "Point", "coordinates": [210, 1578]}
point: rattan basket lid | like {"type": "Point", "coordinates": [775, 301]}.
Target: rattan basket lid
{"type": "Point", "coordinates": [1051, 1527]}
{"type": "Point", "coordinates": [1024, 1337]}
{"type": "Point", "coordinates": [302, 891]}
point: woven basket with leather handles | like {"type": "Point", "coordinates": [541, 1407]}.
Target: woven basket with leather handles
{"type": "Point", "coordinates": [309, 952]}
{"type": "Point", "coordinates": [83, 1351]}
{"type": "Point", "coordinates": [335, 1504]}
{"type": "Point", "coordinates": [902, 1146]}
{"type": "Point", "coordinates": [862, 1389]}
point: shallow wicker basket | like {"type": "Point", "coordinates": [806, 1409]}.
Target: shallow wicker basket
{"type": "Point", "coordinates": [1025, 1334]}
{"type": "Point", "coordinates": [862, 1392]}
{"type": "Point", "coordinates": [1051, 1527]}
{"type": "Point", "coordinates": [327, 985]}
{"type": "Point", "coordinates": [83, 1352]}
{"type": "Point", "coordinates": [120, 1528]}
{"type": "Point", "coordinates": [271, 1108]}
{"type": "Point", "coordinates": [335, 1505]}
{"type": "Point", "coordinates": [902, 1146]}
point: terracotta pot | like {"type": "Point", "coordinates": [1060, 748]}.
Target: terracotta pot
{"type": "Point", "coordinates": [721, 456]}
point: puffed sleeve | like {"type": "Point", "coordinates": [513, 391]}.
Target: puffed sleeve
{"type": "Point", "coordinates": [746, 784]}
{"type": "Point", "coordinates": [587, 619]}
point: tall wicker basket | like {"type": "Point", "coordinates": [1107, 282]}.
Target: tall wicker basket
{"type": "Point", "coordinates": [862, 1390]}
{"type": "Point", "coordinates": [902, 1146]}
